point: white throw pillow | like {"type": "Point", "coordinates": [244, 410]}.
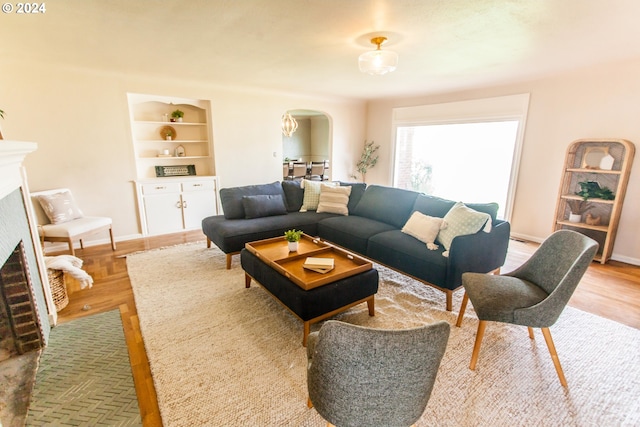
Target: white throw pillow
{"type": "Point", "coordinates": [60, 207]}
{"type": "Point", "coordinates": [462, 220]}
{"type": "Point", "coordinates": [334, 199]}
{"type": "Point", "coordinates": [424, 228]}
{"type": "Point", "coordinates": [311, 195]}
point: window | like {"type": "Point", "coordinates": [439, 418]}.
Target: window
{"type": "Point", "coordinates": [467, 151]}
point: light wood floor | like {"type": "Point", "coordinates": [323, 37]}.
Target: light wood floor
{"type": "Point", "coordinates": [611, 290]}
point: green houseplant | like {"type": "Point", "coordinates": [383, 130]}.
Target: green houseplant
{"type": "Point", "coordinates": [293, 237]}
{"type": "Point", "coordinates": [177, 115]}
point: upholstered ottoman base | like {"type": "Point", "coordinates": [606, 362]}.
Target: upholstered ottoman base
{"type": "Point", "coordinates": [316, 304]}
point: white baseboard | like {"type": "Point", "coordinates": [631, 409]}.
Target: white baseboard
{"type": "Point", "coordinates": [61, 246]}
{"type": "Point", "coordinates": [614, 256]}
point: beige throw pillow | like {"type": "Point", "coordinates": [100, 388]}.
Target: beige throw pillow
{"type": "Point", "coordinates": [424, 228]}
{"type": "Point", "coordinates": [60, 207]}
{"type": "Point", "coordinates": [334, 199]}
{"type": "Point", "coordinates": [311, 194]}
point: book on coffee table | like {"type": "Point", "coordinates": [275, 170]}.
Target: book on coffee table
{"type": "Point", "coordinates": [319, 265]}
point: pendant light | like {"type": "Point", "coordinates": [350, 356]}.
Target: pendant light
{"type": "Point", "coordinates": [378, 62]}
{"type": "Point", "coordinates": [289, 124]}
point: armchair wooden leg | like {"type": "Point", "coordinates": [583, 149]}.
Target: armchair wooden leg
{"type": "Point", "coordinates": [229, 261]}
{"type": "Point", "coordinates": [70, 243]}
{"type": "Point", "coordinates": [476, 348]}
{"type": "Point", "coordinates": [208, 242]}
{"type": "Point", "coordinates": [463, 307]}
{"type": "Point", "coordinates": [113, 242]}
{"type": "Point", "coordinates": [554, 356]}
{"type": "Point", "coordinates": [309, 403]}
{"type": "Point", "coordinates": [530, 332]}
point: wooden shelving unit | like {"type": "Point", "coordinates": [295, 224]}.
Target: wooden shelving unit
{"type": "Point", "coordinates": [607, 162]}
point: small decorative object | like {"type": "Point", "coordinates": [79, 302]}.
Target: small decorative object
{"type": "Point", "coordinates": [293, 237]}
{"type": "Point", "coordinates": [165, 117]}
{"type": "Point", "coordinates": [592, 220]}
{"type": "Point", "coordinates": [177, 115]}
{"type": "Point", "coordinates": [368, 159]}
{"type": "Point", "coordinates": [592, 190]}
{"type": "Point", "coordinates": [168, 131]}
{"type": "Point", "coordinates": [178, 170]}
{"type": "Point", "coordinates": [607, 162]}
{"type": "Point", "coordinates": [577, 208]}
{"type": "Point", "coordinates": [179, 152]}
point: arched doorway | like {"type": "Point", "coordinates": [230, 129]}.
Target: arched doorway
{"type": "Point", "coordinates": [311, 142]}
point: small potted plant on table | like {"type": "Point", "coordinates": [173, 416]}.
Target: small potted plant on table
{"type": "Point", "coordinates": [293, 237]}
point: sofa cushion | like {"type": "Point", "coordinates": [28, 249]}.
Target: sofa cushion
{"type": "Point", "coordinates": [357, 190]}
{"type": "Point", "coordinates": [403, 252]}
{"type": "Point", "coordinates": [386, 204]}
{"type": "Point", "coordinates": [462, 220]}
{"type": "Point", "coordinates": [293, 195]}
{"type": "Point", "coordinates": [230, 235]}
{"type": "Point", "coordinates": [231, 198]}
{"type": "Point", "coordinates": [263, 205]}
{"type": "Point", "coordinates": [60, 207]}
{"type": "Point", "coordinates": [438, 207]}
{"type": "Point", "coordinates": [334, 199]}
{"type": "Point", "coordinates": [424, 228]}
{"type": "Point", "coordinates": [351, 232]}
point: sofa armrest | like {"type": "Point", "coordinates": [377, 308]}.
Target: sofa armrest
{"type": "Point", "coordinates": [479, 253]}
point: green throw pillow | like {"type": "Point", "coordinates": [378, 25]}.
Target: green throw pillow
{"type": "Point", "coordinates": [462, 220]}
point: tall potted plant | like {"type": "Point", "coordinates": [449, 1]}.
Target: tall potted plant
{"type": "Point", "coordinates": [368, 159]}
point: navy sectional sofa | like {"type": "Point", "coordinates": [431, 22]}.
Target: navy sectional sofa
{"type": "Point", "coordinates": [372, 229]}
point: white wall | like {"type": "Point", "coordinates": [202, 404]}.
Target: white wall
{"type": "Point", "coordinates": [80, 120]}
{"type": "Point", "coordinates": [599, 102]}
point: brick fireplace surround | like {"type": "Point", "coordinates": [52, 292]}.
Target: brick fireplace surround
{"type": "Point", "coordinates": [25, 298]}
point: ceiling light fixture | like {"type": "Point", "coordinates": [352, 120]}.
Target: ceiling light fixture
{"type": "Point", "coordinates": [378, 62]}
{"type": "Point", "coordinates": [289, 124]}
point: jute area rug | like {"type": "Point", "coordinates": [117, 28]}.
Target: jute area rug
{"type": "Point", "coordinates": [222, 354]}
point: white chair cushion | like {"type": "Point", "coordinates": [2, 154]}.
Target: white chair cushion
{"type": "Point", "coordinates": [74, 227]}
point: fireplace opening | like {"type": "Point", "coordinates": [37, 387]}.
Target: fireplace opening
{"type": "Point", "coordinates": [20, 328]}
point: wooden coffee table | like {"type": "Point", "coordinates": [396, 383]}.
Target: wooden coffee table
{"type": "Point", "coordinates": [311, 296]}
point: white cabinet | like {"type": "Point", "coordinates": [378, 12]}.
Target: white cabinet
{"type": "Point", "coordinates": [170, 205]}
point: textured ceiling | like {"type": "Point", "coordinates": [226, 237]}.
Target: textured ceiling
{"type": "Point", "coordinates": [312, 46]}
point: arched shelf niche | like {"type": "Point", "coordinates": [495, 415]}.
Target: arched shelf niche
{"type": "Point", "coordinates": [311, 142]}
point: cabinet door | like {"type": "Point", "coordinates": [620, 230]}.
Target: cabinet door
{"type": "Point", "coordinates": [163, 213]}
{"type": "Point", "coordinates": [197, 205]}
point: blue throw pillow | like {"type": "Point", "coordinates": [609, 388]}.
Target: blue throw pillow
{"type": "Point", "coordinates": [263, 205]}
{"type": "Point", "coordinates": [231, 198]}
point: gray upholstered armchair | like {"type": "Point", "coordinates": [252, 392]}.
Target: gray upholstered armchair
{"type": "Point", "coordinates": [360, 376]}
{"type": "Point", "coordinates": [533, 295]}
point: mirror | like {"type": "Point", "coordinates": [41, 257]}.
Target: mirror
{"type": "Point", "coordinates": [596, 158]}
{"type": "Point", "coordinates": [311, 142]}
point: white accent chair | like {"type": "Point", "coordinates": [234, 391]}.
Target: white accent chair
{"type": "Point", "coordinates": [74, 229]}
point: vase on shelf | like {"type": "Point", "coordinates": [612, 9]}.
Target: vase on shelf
{"type": "Point", "coordinates": [575, 217]}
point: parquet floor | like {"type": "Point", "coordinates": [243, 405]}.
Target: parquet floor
{"type": "Point", "coordinates": [611, 290]}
